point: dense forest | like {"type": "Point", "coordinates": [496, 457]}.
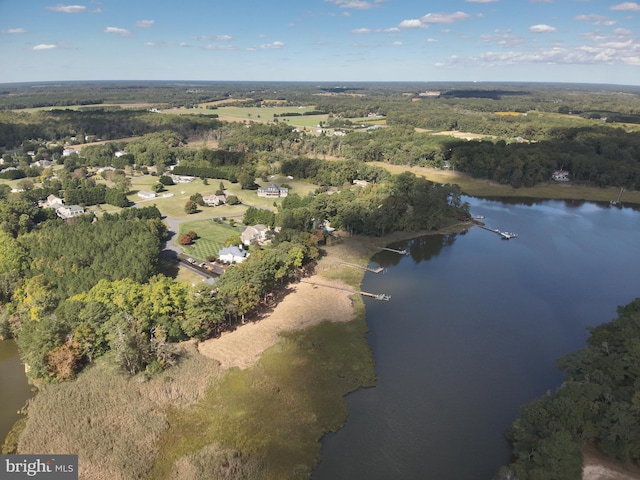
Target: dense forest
{"type": "Point", "coordinates": [597, 403]}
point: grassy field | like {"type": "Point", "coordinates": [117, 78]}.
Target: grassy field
{"type": "Point", "coordinates": [212, 237]}
{"type": "Point", "coordinates": [485, 188]}
{"type": "Point", "coordinates": [173, 206]}
{"type": "Point", "coordinates": [256, 114]}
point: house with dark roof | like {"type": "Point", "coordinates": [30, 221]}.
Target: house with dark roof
{"type": "Point", "coordinates": [273, 191]}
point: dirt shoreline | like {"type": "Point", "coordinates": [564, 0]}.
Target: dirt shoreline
{"type": "Point", "coordinates": [303, 306]}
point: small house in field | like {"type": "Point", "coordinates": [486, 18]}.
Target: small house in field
{"type": "Point", "coordinates": [214, 200]}
{"type": "Point", "coordinates": [146, 195]}
{"type": "Point", "coordinates": [560, 176]}
{"type": "Point", "coordinates": [182, 178]}
{"type": "Point", "coordinates": [254, 234]}
{"type": "Point", "coordinates": [232, 254]}
{"type": "Point", "coordinates": [273, 191]}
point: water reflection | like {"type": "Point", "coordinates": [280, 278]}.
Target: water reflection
{"type": "Point", "coordinates": [473, 332]}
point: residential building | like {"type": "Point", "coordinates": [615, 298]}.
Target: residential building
{"type": "Point", "coordinates": [232, 254]}
{"type": "Point", "coordinates": [254, 234]}
{"type": "Point", "coordinates": [214, 200]}
{"type": "Point", "coordinates": [560, 176]}
{"type": "Point", "coordinates": [69, 211]}
{"type": "Point", "coordinates": [52, 202]}
{"type": "Point", "coordinates": [182, 178]}
{"type": "Point", "coordinates": [273, 191]}
{"type": "Point", "coordinates": [146, 195]}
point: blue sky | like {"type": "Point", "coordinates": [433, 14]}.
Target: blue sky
{"type": "Point", "coordinates": [584, 41]}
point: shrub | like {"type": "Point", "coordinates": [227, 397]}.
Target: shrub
{"type": "Point", "coordinates": [165, 180]}
{"type": "Point", "coordinates": [185, 240]}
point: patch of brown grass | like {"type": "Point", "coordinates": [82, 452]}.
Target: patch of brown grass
{"type": "Point", "coordinates": [111, 421]}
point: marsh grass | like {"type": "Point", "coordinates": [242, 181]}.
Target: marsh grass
{"type": "Point", "coordinates": [275, 412]}
{"type": "Point", "coordinates": [111, 421]}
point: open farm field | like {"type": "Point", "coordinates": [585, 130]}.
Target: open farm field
{"type": "Point", "coordinates": [213, 237]}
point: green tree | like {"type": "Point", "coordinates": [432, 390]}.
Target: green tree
{"type": "Point", "coordinates": [191, 207]}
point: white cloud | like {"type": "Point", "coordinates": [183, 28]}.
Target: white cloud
{"type": "Point", "coordinates": [15, 30]}
{"type": "Point", "coordinates": [623, 32]}
{"type": "Point", "coordinates": [432, 40]}
{"type": "Point", "coordinates": [220, 47]}
{"type": "Point", "coordinates": [391, 30]}
{"type": "Point", "coordinates": [601, 51]}
{"type": "Point", "coordinates": [267, 46]}
{"type": "Point", "coordinates": [45, 46]}
{"type": "Point", "coordinates": [412, 23]}
{"type": "Point", "coordinates": [594, 19]}
{"type": "Point", "coordinates": [214, 38]}
{"type": "Point", "coordinates": [396, 44]}
{"type": "Point", "coordinates": [444, 18]}
{"type": "Point", "coordinates": [354, 4]}
{"type": "Point", "coordinates": [118, 31]}
{"type": "Point", "coordinates": [504, 38]}
{"type": "Point", "coordinates": [360, 30]}
{"type": "Point", "coordinates": [627, 7]}
{"type": "Point", "coordinates": [542, 28]}
{"type": "Point", "coordinates": [68, 8]}
{"type": "Point", "coordinates": [144, 23]}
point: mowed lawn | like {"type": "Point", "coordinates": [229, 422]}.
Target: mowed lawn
{"type": "Point", "coordinates": [213, 237]}
{"type": "Point", "coordinates": [173, 206]}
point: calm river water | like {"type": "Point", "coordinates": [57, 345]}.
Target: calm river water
{"type": "Point", "coordinates": [14, 389]}
{"type": "Point", "coordinates": [472, 332]}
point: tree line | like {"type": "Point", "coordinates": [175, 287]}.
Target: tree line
{"type": "Point", "coordinates": [597, 403]}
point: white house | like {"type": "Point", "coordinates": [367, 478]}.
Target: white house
{"type": "Point", "coordinates": [253, 234]}
{"type": "Point", "coordinates": [273, 191]}
{"type": "Point", "coordinates": [361, 183]}
{"type": "Point", "coordinates": [182, 178]}
{"type": "Point", "coordinates": [232, 254]}
{"type": "Point", "coordinates": [146, 195]}
{"type": "Point", "coordinates": [69, 211]}
{"type": "Point", "coordinates": [560, 176]}
{"type": "Point", "coordinates": [68, 151]}
{"type": "Point", "coordinates": [214, 200]}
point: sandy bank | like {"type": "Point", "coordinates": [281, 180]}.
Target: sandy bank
{"type": "Point", "coordinates": [304, 305]}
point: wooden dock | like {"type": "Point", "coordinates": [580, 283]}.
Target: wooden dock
{"type": "Point", "coordinates": [503, 235]}
{"type": "Point", "coordinates": [401, 252]}
{"type": "Point", "coordinates": [377, 296]}
{"type": "Point", "coordinates": [617, 200]}
{"type": "Point", "coordinates": [368, 269]}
